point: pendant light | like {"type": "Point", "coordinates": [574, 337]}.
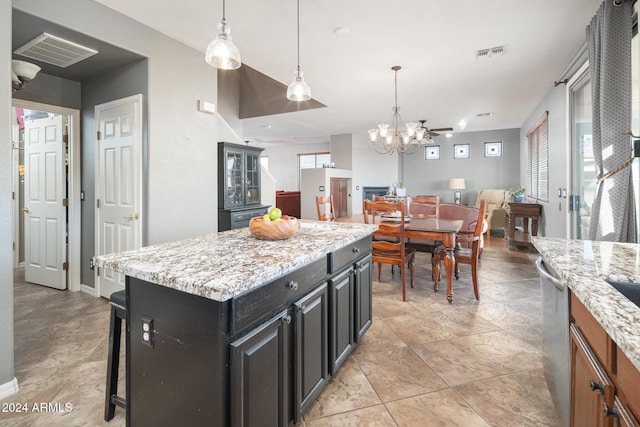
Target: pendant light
{"type": "Point", "coordinates": [298, 90]}
{"type": "Point", "coordinates": [222, 53]}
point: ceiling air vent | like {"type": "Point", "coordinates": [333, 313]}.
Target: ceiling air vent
{"type": "Point", "coordinates": [490, 53]}
{"type": "Point", "coordinates": [55, 50]}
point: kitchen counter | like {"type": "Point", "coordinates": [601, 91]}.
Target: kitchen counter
{"type": "Point", "coordinates": [582, 264]}
{"type": "Point", "coordinates": [224, 265]}
{"type": "Point", "coordinates": [225, 328]}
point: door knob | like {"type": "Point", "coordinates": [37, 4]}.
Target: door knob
{"type": "Point", "coordinates": [25, 210]}
{"type": "Point", "coordinates": [132, 217]}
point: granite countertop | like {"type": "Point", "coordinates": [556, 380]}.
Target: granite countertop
{"type": "Point", "coordinates": [223, 265]}
{"type": "Point", "coordinates": [583, 263]}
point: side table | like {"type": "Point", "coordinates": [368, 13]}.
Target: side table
{"type": "Point", "coordinates": [526, 211]}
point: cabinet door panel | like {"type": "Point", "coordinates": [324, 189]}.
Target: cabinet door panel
{"type": "Point", "coordinates": [622, 416]}
{"type": "Point", "coordinates": [252, 178]}
{"type": "Point", "coordinates": [591, 389]}
{"type": "Point", "coordinates": [234, 179]}
{"type": "Point", "coordinates": [260, 366]}
{"type": "Point", "coordinates": [363, 297]}
{"type": "Point", "coordinates": [312, 348]}
{"type": "Point", "coordinates": [342, 308]}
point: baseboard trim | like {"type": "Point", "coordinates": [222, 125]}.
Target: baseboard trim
{"type": "Point", "coordinates": [9, 389]}
{"type": "Point", "coordinates": [89, 290]}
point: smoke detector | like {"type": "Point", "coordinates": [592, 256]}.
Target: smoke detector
{"type": "Point", "coordinates": [55, 50]}
{"type": "Point", "coordinates": [490, 52]}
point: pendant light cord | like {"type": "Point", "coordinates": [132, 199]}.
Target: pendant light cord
{"type": "Point", "coordinates": [395, 111]}
{"type": "Point", "coordinates": [223, 9]}
{"type": "Point", "coordinates": [298, 34]}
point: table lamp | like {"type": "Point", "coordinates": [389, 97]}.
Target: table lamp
{"type": "Point", "coordinates": [457, 184]}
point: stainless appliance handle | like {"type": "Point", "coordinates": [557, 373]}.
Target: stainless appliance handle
{"type": "Point", "coordinates": [558, 283]}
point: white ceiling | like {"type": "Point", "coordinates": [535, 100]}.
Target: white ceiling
{"type": "Point", "coordinates": [435, 42]}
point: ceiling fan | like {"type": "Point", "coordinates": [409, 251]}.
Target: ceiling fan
{"type": "Point", "coordinates": [431, 133]}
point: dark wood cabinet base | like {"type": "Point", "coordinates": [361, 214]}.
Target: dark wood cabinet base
{"type": "Point", "coordinates": [258, 359]}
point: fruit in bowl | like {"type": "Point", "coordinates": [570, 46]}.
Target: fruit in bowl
{"type": "Point", "coordinates": [274, 226]}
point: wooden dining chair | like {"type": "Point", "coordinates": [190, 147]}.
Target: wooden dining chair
{"type": "Point", "coordinates": [425, 207]}
{"type": "Point", "coordinates": [327, 206]}
{"type": "Point", "coordinates": [467, 251]}
{"type": "Point", "coordinates": [388, 245]}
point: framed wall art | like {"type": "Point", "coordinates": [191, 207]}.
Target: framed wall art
{"type": "Point", "coordinates": [493, 149]}
{"type": "Point", "coordinates": [460, 151]}
{"type": "Point", "coordinates": [432, 152]}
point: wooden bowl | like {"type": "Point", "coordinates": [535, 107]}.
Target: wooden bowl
{"type": "Point", "coordinates": [273, 230]}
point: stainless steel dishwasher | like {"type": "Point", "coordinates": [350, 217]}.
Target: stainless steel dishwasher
{"type": "Point", "coordinates": [555, 337]}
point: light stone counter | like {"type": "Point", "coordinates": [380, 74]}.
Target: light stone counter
{"type": "Point", "coordinates": [583, 263]}
{"type": "Point", "coordinates": [223, 265]}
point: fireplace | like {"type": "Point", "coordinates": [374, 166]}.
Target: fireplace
{"type": "Point", "coordinates": [369, 192]}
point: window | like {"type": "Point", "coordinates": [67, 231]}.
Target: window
{"type": "Point", "coordinates": [311, 161]}
{"type": "Point", "coordinates": [538, 142]}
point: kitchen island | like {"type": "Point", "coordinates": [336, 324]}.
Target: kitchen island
{"type": "Point", "coordinates": [225, 329]}
{"type": "Point", "coordinates": [604, 327]}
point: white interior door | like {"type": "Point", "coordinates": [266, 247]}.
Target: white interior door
{"type": "Point", "coordinates": [118, 184]}
{"type": "Point", "coordinates": [45, 191]}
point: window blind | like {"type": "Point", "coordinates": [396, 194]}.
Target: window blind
{"type": "Point", "coordinates": [538, 144]}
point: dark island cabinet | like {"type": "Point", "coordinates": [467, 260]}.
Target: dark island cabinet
{"type": "Point", "coordinates": [260, 374]}
{"type": "Point", "coordinates": [342, 318]}
{"type": "Point", "coordinates": [363, 297]}
{"type": "Point", "coordinates": [260, 363]}
{"type": "Point", "coordinates": [258, 359]}
{"type": "Point", "coordinates": [311, 349]}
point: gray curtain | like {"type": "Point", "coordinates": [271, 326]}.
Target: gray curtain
{"type": "Point", "coordinates": [609, 41]}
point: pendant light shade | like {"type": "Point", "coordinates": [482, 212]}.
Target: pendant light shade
{"type": "Point", "coordinates": [221, 52]}
{"type": "Point", "coordinates": [298, 90]}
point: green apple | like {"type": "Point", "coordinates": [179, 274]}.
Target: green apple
{"type": "Point", "coordinates": [275, 213]}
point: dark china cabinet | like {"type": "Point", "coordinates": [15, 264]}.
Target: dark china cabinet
{"type": "Point", "coordinates": [238, 185]}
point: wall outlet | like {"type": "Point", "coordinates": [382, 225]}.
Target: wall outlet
{"type": "Point", "coordinates": [147, 331]}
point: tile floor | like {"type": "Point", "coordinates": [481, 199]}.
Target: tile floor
{"type": "Point", "coordinates": [422, 362]}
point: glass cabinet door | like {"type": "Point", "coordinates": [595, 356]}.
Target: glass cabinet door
{"type": "Point", "coordinates": [234, 179]}
{"type": "Point", "coordinates": [253, 178]}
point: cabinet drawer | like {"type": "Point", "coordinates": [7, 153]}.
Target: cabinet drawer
{"type": "Point", "coordinates": [628, 382]}
{"type": "Point", "coordinates": [262, 302]}
{"type": "Point", "coordinates": [348, 254]}
{"type": "Point", "coordinates": [595, 335]}
{"type": "Point", "coordinates": [246, 215]}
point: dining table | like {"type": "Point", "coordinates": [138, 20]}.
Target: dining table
{"type": "Point", "coordinates": [441, 230]}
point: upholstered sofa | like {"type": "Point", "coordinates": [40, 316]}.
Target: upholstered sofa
{"type": "Point", "coordinates": [497, 206]}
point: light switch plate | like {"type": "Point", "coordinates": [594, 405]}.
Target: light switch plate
{"type": "Point", "coordinates": [206, 107]}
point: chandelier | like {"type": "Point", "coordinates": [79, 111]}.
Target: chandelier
{"type": "Point", "coordinates": [393, 138]}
